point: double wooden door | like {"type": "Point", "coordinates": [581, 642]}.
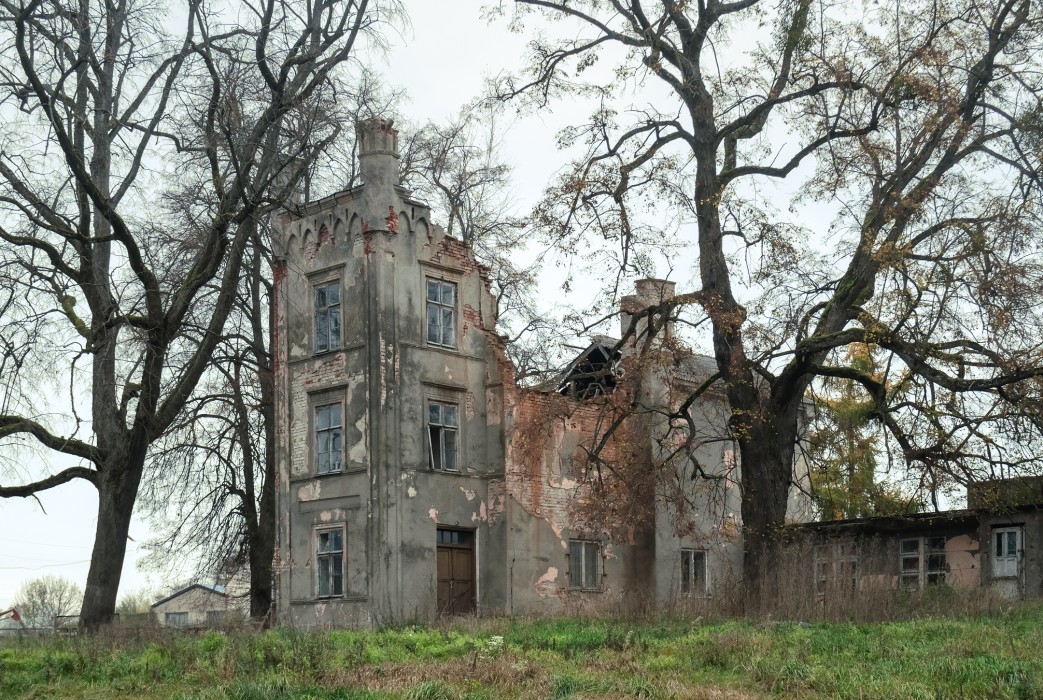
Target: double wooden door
{"type": "Point", "coordinates": [456, 572]}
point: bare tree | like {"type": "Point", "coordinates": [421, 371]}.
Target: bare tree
{"type": "Point", "coordinates": [115, 279]}
{"type": "Point", "coordinates": [42, 599]}
{"type": "Point", "coordinates": [917, 123]}
{"type": "Point", "coordinates": [459, 169]}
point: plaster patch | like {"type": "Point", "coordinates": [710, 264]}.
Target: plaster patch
{"type": "Point", "coordinates": [411, 492]}
{"type": "Point", "coordinates": [546, 585]}
{"type": "Point", "coordinates": [492, 408]}
{"type": "Point", "coordinates": [469, 493]}
{"type": "Point", "coordinates": [310, 492]}
{"type": "Point", "coordinates": [325, 516]}
{"type": "Point", "coordinates": [433, 514]}
{"type": "Point", "coordinates": [357, 453]}
{"type": "Point", "coordinates": [469, 405]}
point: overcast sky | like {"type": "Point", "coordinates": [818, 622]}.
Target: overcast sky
{"type": "Point", "coordinates": [441, 60]}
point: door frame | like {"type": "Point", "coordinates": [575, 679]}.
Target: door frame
{"type": "Point", "coordinates": [473, 548]}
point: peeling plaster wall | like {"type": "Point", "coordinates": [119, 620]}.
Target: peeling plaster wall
{"type": "Point", "coordinates": [380, 245]}
{"type": "Point", "coordinates": [544, 488]}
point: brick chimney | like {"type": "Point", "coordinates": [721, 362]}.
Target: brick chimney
{"type": "Point", "coordinates": [650, 292]}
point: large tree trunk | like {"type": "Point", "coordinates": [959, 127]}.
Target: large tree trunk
{"type": "Point", "coordinates": [117, 492]}
{"type": "Point", "coordinates": [767, 456]}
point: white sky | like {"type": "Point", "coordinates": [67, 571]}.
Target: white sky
{"type": "Point", "coordinates": [441, 60]}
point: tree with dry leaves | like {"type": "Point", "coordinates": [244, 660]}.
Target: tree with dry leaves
{"type": "Point", "coordinates": [912, 130]}
{"type": "Point", "coordinates": [141, 152]}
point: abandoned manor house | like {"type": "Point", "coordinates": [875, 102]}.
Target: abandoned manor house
{"type": "Point", "coordinates": [416, 478]}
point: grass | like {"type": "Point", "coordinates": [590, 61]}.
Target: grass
{"type": "Point", "coordinates": [994, 656]}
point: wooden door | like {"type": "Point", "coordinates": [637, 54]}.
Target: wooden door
{"type": "Point", "coordinates": [456, 573]}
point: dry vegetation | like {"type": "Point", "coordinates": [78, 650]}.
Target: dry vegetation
{"type": "Point", "coordinates": [969, 656]}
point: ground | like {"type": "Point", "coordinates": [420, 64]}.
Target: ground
{"type": "Point", "coordinates": [986, 656]}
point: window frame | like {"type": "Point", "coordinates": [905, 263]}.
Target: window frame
{"type": "Point", "coordinates": [327, 283]}
{"type": "Point", "coordinates": [316, 407]}
{"type": "Point", "coordinates": [444, 430]}
{"type": "Point", "coordinates": [688, 588]}
{"type": "Point", "coordinates": [590, 553]}
{"type": "Point", "coordinates": [442, 307]}
{"type": "Point", "coordinates": [175, 619]}
{"type": "Point", "coordinates": [1007, 560]}
{"type": "Point", "coordinates": [926, 573]}
{"type": "Point", "coordinates": [835, 566]}
{"type": "Point", "coordinates": [332, 556]}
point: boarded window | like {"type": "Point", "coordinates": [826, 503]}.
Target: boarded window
{"type": "Point", "coordinates": [329, 562]}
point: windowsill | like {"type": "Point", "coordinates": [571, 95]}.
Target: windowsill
{"type": "Point", "coordinates": [343, 472]}
{"type": "Point", "coordinates": [319, 601]}
{"type": "Point", "coordinates": [585, 590]}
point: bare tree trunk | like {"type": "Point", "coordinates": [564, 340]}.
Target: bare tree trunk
{"type": "Point", "coordinates": [117, 492]}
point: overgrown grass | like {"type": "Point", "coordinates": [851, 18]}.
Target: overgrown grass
{"type": "Point", "coordinates": [994, 656]}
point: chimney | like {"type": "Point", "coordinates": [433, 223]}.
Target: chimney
{"type": "Point", "coordinates": [378, 151]}
{"type": "Point", "coordinates": [650, 292]}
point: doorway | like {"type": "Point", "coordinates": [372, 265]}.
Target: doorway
{"type": "Point", "coordinates": [456, 572]}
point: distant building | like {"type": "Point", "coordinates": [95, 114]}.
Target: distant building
{"type": "Point", "coordinates": [194, 606]}
{"type": "Point", "coordinates": [993, 544]}
{"type": "Point", "coordinates": [415, 478]}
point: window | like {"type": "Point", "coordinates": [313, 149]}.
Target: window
{"type": "Point", "coordinates": [1007, 543]}
{"type": "Point", "coordinates": [329, 438]}
{"type": "Point", "coordinates": [584, 564]}
{"type": "Point", "coordinates": [215, 618]}
{"type": "Point", "coordinates": [443, 425]}
{"type": "Point", "coordinates": [836, 567]}
{"type": "Point", "coordinates": [329, 563]}
{"type": "Point", "coordinates": [693, 572]}
{"type": "Point", "coordinates": [921, 562]}
{"type": "Point", "coordinates": [327, 316]}
{"type": "Point", "coordinates": [176, 619]}
{"type": "Point", "coordinates": [441, 313]}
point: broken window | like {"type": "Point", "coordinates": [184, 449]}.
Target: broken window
{"type": "Point", "coordinates": [329, 562]}
{"type": "Point", "coordinates": [693, 572]}
{"type": "Point", "coordinates": [443, 427]}
{"type": "Point", "coordinates": [921, 562]}
{"type": "Point", "coordinates": [176, 619]}
{"type": "Point", "coordinates": [1006, 553]}
{"type": "Point", "coordinates": [584, 564]}
{"type": "Point", "coordinates": [441, 313]}
{"type": "Point", "coordinates": [329, 439]}
{"type": "Point", "coordinates": [327, 316]}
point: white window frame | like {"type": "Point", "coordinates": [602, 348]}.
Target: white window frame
{"type": "Point", "coordinates": [587, 569]}
{"type": "Point", "coordinates": [328, 314]}
{"type": "Point", "coordinates": [444, 312]}
{"type": "Point", "coordinates": [920, 567]}
{"type": "Point", "coordinates": [448, 431]}
{"type": "Point", "coordinates": [693, 585]}
{"type": "Point", "coordinates": [1004, 564]}
{"type": "Point", "coordinates": [331, 558]}
{"type": "Point", "coordinates": [335, 433]}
